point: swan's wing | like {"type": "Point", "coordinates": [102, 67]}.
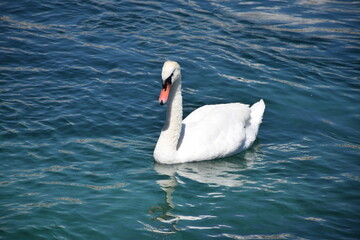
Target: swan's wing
{"type": "Point", "coordinates": [214, 131]}
{"type": "Point", "coordinates": [228, 109]}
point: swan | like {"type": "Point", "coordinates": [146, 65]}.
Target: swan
{"type": "Point", "coordinates": [209, 132]}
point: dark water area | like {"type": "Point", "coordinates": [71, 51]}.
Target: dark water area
{"type": "Point", "coordinates": [79, 82]}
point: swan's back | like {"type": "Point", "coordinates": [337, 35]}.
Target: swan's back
{"type": "Point", "coordinates": [215, 131]}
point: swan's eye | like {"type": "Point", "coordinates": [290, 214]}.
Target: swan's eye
{"type": "Point", "coordinates": [169, 79]}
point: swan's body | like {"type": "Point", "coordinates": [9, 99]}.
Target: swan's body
{"type": "Point", "coordinates": [209, 132]}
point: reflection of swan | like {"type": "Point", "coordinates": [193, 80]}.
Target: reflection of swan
{"type": "Point", "coordinates": [218, 173]}
{"type": "Point", "coordinates": [212, 131]}
{"type": "Point", "coordinates": [224, 172]}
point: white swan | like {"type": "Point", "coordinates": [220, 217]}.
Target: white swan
{"type": "Point", "coordinates": [209, 132]}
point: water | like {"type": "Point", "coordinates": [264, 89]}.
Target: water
{"type": "Point", "coordinates": [80, 118]}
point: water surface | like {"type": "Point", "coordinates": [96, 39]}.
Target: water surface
{"type": "Point", "coordinates": [79, 82]}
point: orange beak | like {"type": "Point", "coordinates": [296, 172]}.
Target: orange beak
{"type": "Point", "coordinates": [164, 93]}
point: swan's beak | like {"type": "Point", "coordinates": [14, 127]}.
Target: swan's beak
{"type": "Point", "coordinates": [164, 93]}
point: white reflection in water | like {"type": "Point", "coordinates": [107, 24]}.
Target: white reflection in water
{"type": "Point", "coordinates": [216, 173]}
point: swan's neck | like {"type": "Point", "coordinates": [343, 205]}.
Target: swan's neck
{"type": "Point", "coordinates": [170, 133]}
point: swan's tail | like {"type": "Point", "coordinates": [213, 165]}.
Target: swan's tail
{"type": "Point", "coordinates": [256, 115]}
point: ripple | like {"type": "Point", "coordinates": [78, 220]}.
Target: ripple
{"type": "Point", "coordinates": [24, 69]}
{"type": "Point", "coordinates": [94, 187]}
{"type": "Point", "coordinates": [315, 219]}
{"type": "Point", "coordinates": [241, 79]}
{"type": "Point", "coordinates": [259, 236]}
{"type": "Point", "coordinates": [150, 228]}
{"type": "Point", "coordinates": [70, 200]}
{"type": "Point", "coordinates": [25, 24]}
{"type": "Point", "coordinates": [351, 146]}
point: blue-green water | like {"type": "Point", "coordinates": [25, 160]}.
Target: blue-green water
{"type": "Point", "coordinates": [79, 82]}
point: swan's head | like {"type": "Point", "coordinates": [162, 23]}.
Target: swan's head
{"type": "Point", "coordinates": [170, 74]}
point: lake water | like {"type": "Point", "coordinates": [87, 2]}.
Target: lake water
{"type": "Point", "coordinates": [79, 82]}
